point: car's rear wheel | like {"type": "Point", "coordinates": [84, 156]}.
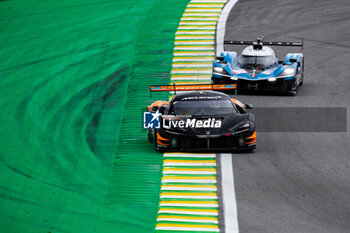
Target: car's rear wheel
{"type": "Point", "coordinates": [302, 75]}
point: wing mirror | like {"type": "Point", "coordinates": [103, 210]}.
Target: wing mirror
{"type": "Point", "coordinates": [248, 106]}
{"type": "Point", "coordinates": [220, 58]}
{"type": "Point", "coordinates": [155, 108]}
{"type": "Point", "coordinates": [162, 109]}
{"type": "Point", "coordinates": [280, 62]}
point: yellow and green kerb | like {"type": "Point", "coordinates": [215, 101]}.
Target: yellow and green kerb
{"type": "Point", "coordinates": [188, 197]}
{"type": "Point", "coordinates": [195, 42]}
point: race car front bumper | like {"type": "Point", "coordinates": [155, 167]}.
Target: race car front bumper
{"type": "Point", "coordinates": [279, 85]}
{"type": "Point", "coordinates": [284, 85]}
{"type": "Point", "coordinates": [209, 143]}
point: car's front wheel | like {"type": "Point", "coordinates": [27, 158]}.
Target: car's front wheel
{"type": "Point", "coordinates": [149, 135]}
{"type": "Point", "coordinates": [293, 88]}
{"type": "Point", "coordinates": [155, 142]}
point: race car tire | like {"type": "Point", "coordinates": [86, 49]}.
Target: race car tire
{"type": "Point", "coordinates": [294, 88]}
{"type": "Point", "coordinates": [149, 135]}
{"type": "Point", "coordinates": [156, 144]}
{"type": "Point", "coordinates": [216, 80]}
{"type": "Point", "coordinates": [302, 76]}
{"type": "Point", "coordinates": [292, 93]}
{"type": "Point", "coordinates": [302, 79]}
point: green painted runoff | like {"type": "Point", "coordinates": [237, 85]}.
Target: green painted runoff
{"type": "Point", "coordinates": [74, 76]}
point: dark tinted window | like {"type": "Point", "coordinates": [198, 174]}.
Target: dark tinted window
{"type": "Point", "coordinates": [263, 61]}
{"type": "Point", "coordinates": [203, 107]}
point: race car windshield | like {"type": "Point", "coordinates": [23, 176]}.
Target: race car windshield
{"type": "Point", "coordinates": [203, 107]}
{"type": "Point", "coordinates": [265, 62]}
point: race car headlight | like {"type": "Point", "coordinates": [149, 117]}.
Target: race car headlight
{"type": "Point", "coordinates": [241, 141]}
{"type": "Point", "coordinates": [218, 69]}
{"type": "Point", "coordinates": [272, 79]}
{"type": "Point", "coordinates": [239, 127]}
{"type": "Point", "coordinates": [287, 72]}
{"type": "Point", "coordinates": [173, 142]}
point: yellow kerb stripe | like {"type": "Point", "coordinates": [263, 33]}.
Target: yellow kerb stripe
{"type": "Point", "coordinates": [190, 210]}
{"type": "Point", "coordinates": [189, 177]}
{"type": "Point", "coordinates": [189, 194]}
{"type": "Point", "coordinates": [189, 186]}
{"type": "Point", "coordinates": [188, 202]}
{"type": "Point", "coordinates": [189, 169]}
{"type": "Point", "coordinates": [188, 217]}
{"type": "Point", "coordinates": [185, 225]}
{"type": "Point", "coordinates": [188, 161]}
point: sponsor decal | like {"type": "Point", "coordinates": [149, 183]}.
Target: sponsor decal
{"type": "Point", "coordinates": [239, 71]}
{"type": "Point", "coordinates": [267, 72]}
{"type": "Point", "coordinates": [202, 98]}
{"type": "Point", "coordinates": [191, 123]}
{"type": "Point", "coordinates": [151, 120]}
{"type": "Point", "coordinates": [155, 120]}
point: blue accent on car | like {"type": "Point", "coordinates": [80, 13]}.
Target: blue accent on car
{"type": "Point", "coordinates": [229, 62]}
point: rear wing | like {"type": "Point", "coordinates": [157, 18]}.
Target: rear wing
{"type": "Point", "coordinates": [259, 42]}
{"type": "Point", "coordinates": [271, 43]}
{"type": "Point", "coordinates": [193, 87]}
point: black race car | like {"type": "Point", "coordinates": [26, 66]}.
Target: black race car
{"type": "Point", "coordinates": [202, 121]}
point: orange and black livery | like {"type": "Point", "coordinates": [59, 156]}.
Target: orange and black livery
{"type": "Point", "coordinates": [201, 118]}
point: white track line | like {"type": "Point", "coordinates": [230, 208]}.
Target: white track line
{"type": "Point", "coordinates": [180, 54]}
{"type": "Point", "coordinates": [221, 26]}
{"type": "Point", "coordinates": [188, 205]}
{"type": "Point", "coordinates": [188, 197]}
{"type": "Point", "coordinates": [197, 19]}
{"type": "Point", "coordinates": [189, 188]}
{"type": "Point", "coordinates": [188, 181]}
{"type": "Point", "coordinates": [191, 155]}
{"type": "Point", "coordinates": [189, 172]}
{"type": "Point", "coordinates": [186, 229]}
{"type": "Point", "coordinates": [228, 194]}
{"type": "Point", "coordinates": [190, 212]}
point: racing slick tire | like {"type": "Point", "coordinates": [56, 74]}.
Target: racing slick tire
{"type": "Point", "coordinates": [149, 135]}
{"type": "Point", "coordinates": [155, 143]}
{"type": "Point", "coordinates": [302, 76]}
{"type": "Point", "coordinates": [216, 80]}
{"type": "Point", "coordinates": [293, 90]}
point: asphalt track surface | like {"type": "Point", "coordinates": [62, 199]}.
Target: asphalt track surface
{"type": "Point", "coordinates": [297, 181]}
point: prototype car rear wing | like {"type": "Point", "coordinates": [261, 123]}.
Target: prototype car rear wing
{"type": "Point", "coordinates": [194, 87]}
{"type": "Point", "coordinates": [271, 43]}
{"type": "Point", "coordinates": [258, 44]}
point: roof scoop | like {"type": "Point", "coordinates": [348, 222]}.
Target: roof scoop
{"type": "Point", "coordinates": [258, 45]}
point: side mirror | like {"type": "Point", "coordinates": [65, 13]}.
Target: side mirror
{"type": "Point", "coordinates": [155, 108]}
{"type": "Point", "coordinates": [248, 106]}
{"type": "Point", "coordinates": [219, 58]}
{"type": "Point", "coordinates": [162, 109]}
{"type": "Point", "coordinates": [280, 62]}
{"type": "Point", "coordinates": [293, 60]}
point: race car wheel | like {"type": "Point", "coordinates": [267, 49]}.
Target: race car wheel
{"type": "Point", "coordinates": [156, 143]}
{"type": "Point", "coordinates": [301, 81]}
{"type": "Point", "coordinates": [293, 89]}
{"type": "Point", "coordinates": [302, 75]}
{"type": "Point", "coordinates": [218, 80]}
{"type": "Point", "coordinates": [150, 137]}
